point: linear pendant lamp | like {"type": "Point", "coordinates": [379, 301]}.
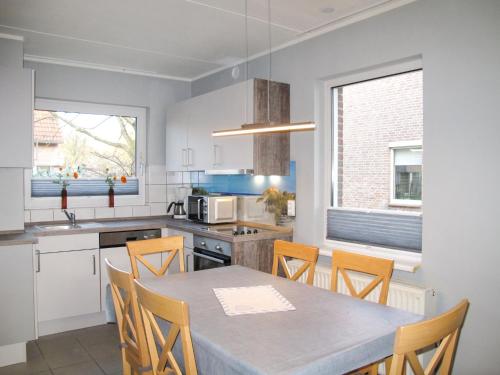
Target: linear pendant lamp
{"type": "Point", "coordinates": [267, 127]}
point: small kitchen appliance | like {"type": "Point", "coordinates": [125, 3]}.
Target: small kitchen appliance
{"type": "Point", "coordinates": [212, 209]}
{"type": "Point", "coordinates": [179, 212]}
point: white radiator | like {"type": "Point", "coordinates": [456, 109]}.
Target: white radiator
{"type": "Point", "coordinates": [402, 296]}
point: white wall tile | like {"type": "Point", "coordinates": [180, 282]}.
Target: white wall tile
{"type": "Point", "coordinates": [125, 211]}
{"type": "Point", "coordinates": [158, 209]}
{"type": "Point", "coordinates": [156, 175]}
{"type": "Point", "coordinates": [104, 212]}
{"type": "Point", "coordinates": [27, 216]}
{"type": "Point", "coordinates": [41, 215]}
{"type": "Point", "coordinates": [84, 213]}
{"type": "Point", "coordinates": [157, 193]}
{"type": "Point", "coordinates": [174, 178]}
{"type": "Point", "coordinates": [171, 193]}
{"type": "Point", "coordinates": [141, 211]}
{"type": "Point", "coordinates": [60, 216]}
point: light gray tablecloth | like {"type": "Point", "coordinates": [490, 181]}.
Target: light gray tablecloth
{"type": "Point", "coordinates": [328, 333]}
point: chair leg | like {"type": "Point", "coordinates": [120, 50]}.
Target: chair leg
{"type": "Point", "coordinates": [127, 369]}
{"type": "Point", "coordinates": [388, 364]}
{"type": "Point", "coordinates": [373, 369]}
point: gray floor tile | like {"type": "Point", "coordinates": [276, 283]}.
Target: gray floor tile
{"type": "Point", "coordinates": [85, 368]}
{"type": "Point", "coordinates": [89, 351]}
{"type": "Point", "coordinates": [110, 364]}
{"type": "Point", "coordinates": [100, 335]}
{"type": "Point", "coordinates": [35, 363]}
{"type": "Point", "coordinates": [22, 369]}
{"type": "Point", "coordinates": [107, 355]}
{"type": "Point", "coordinates": [62, 350]}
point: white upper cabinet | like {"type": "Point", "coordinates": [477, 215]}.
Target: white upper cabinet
{"type": "Point", "coordinates": [237, 109]}
{"type": "Point", "coordinates": [11, 199]}
{"type": "Point", "coordinates": [16, 122]}
{"type": "Point", "coordinates": [190, 145]}
{"type": "Point", "coordinates": [177, 133]}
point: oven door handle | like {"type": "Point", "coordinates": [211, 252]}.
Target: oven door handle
{"type": "Point", "coordinates": [208, 257]}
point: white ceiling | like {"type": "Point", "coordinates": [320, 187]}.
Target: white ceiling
{"type": "Point", "coordinates": [182, 39]}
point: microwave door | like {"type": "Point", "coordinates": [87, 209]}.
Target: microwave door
{"type": "Point", "coordinates": [225, 209]}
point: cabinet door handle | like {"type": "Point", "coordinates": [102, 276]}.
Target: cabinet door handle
{"type": "Point", "coordinates": [37, 253]}
{"type": "Point", "coordinates": [187, 261]}
{"type": "Point", "coordinates": [190, 156]}
{"type": "Point", "coordinates": [94, 270]}
{"type": "Point", "coordinates": [184, 157]}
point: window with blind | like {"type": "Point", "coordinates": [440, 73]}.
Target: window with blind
{"type": "Point", "coordinates": [377, 162]}
{"type": "Point", "coordinates": [85, 147]}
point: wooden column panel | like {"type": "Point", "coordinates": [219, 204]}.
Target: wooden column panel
{"type": "Point", "coordinates": [271, 155]}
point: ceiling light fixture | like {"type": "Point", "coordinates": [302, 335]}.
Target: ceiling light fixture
{"type": "Point", "coordinates": [267, 127]}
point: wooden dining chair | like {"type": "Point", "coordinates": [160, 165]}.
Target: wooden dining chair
{"type": "Point", "coordinates": [342, 262]}
{"type": "Point", "coordinates": [133, 344]}
{"type": "Point", "coordinates": [138, 249]}
{"type": "Point", "coordinates": [442, 331]}
{"type": "Point", "coordinates": [308, 254]}
{"type": "Point", "coordinates": [175, 312]}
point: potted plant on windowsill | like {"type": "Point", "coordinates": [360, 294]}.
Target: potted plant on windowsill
{"type": "Point", "coordinates": [111, 180]}
{"type": "Point", "coordinates": [276, 202]}
{"type": "Point", "coordinates": [62, 180]}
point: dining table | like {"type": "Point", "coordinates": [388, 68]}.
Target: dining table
{"type": "Point", "coordinates": [327, 333]}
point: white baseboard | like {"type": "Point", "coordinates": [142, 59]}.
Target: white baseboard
{"type": "Point", "coordinates": [11, 354]}
{"type": "Point", "coordinates": [67, 324]}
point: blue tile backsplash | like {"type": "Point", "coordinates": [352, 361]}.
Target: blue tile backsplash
{"type": "Point", "coordinates": [243, 184]}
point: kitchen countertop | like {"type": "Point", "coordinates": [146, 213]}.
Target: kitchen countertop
{"type": "Point", "coordinates": [32, 232]}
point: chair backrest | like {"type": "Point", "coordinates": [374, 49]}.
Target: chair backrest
{"type": "Point", "coordinates": [442, 330]}
{"type": "Point", "coordinates": [343, 261]}
{"type": "Point", "coordinates": [309, 254]}
{"type": "Point", "coordinates": [177, 314]}
{"type": "Point", "coordinates": [138, 249]}
{"type": "Point", "coordinates": [128, 317]}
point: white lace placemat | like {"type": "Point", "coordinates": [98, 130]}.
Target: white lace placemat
{"type": "Point", "coordinates": [252, 300]}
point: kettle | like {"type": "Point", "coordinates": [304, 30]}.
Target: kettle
{"type": "Point", "coordinates": [179, 212]}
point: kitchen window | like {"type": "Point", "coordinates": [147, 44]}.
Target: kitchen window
{"type": "Point", "coordinates": [376, 186]}
{"type": "Point", "coordinates": [82, 144]}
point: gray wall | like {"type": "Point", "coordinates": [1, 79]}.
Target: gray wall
{"type": "Point", "coordinates": [67, 83]}
{"type": "Point", "coordinates": [11, 53]}
{"type": "Point", "coordinates": [459, 41]}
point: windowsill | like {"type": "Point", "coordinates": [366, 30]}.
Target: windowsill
{"type": "Point", "coordinates": [80, 201]}
{"type": "Point", "coordinates": [405, 203]}
{"type": "Point", "coordinates": [403, 260]}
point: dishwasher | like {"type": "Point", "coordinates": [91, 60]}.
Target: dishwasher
{"type": "Point", "coordinates": [112, 246]}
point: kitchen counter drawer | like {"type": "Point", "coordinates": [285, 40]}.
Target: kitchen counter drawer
{"type": "Point", "coordinates": [52, 244]}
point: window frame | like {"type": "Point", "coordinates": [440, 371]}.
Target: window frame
{"type": "Point", "coordinates": [94, 201]}
{"type": "Point", "coordinates": [393, 202]}
{"type": "Point", "coordinates": [325, 138]}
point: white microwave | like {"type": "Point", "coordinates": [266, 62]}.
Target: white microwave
{"type": "Point", "coordinates": [210, 209]}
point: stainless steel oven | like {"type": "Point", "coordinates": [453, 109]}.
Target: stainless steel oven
{"type": "Point", "coordinates": [210, 253]}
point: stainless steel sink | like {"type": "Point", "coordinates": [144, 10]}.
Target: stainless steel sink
{"type": "Point", "coordinates": [59, 226]}
{"type": "Point", "coordinates": [56, 227]}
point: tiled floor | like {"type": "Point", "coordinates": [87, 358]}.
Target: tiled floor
{"type": "Point", "coordinates": [89, 351]}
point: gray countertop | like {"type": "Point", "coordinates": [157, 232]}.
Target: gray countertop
{"type": "Point", "coordinates": [32, 232]}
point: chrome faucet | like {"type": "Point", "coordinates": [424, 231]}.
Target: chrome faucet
{"type": "Point", "coordinates": [71, 217]}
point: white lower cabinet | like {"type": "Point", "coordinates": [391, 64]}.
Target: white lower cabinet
{"type": "Point", "coordinates": [188, 248]}
{"type": "Point", "coordinates": [67, 284]}
{"type": "Point", "coordinates": [118, 257]}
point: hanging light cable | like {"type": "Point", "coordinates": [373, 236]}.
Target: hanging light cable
{"type": "Point", "coordinates": [267, 127]}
